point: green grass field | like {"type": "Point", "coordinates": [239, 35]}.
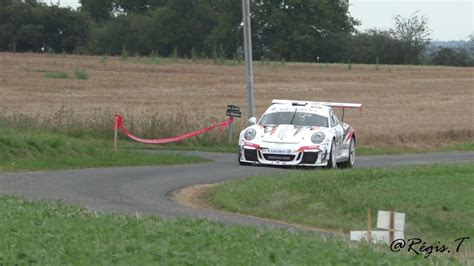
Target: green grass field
{"type": "Point", "coordinates": [31, 150]}
{"type": "Point", "coordinates": [55, 234]}
{"type": "Point", "coordinates": [438, 200]}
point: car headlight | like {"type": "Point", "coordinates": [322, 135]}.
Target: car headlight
{"type": "Point", "coordinates": [250, 134]}
{"type": "Point", "coordinates": [318, 137]}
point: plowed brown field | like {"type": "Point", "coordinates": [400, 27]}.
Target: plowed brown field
{"type": "Point", "coordinates": [403, 105]}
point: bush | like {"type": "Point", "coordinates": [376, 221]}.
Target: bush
{"type": "Point", "coordinates": [124, 53]}
{"type": "Point", "coordinates": [80, 73]}
{"type": "Point", "coordinates": [104, 59]}
{"type": "Point", "coordinates": [56, 75]}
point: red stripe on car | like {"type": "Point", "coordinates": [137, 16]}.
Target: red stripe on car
{"type": "Point", "coordinates": [303, 148]}
{"type": "Point", "coordinates": [349, 134]}
{"type": "Point", "coordinates": [253, 145]}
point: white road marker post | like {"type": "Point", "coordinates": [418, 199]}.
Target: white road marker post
{"type": "Point", "coordinates": [369, 226]}
{"type": "Point", "coordinates": [391, 226]}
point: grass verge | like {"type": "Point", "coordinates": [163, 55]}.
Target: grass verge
{"type": "Point", "coordinates": [463, 146]}
{"type": "Point", "coordinates": [54, 234]}
{"type": "Point", "coordinates": [33, 150]}
{"type": "Point", "coordinates": [437, 199]}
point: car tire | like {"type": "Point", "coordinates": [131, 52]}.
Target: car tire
{"type": "Point", "coordinates": [352, 153]}
{"type": "Point", "coordinates": [240, 162]}
{"type": "Point", "coordinates": [332, 157]}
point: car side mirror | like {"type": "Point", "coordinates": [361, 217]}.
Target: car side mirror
{"type": "Point", "coordinates": [252, 121]}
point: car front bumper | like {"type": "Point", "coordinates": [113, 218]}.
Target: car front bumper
{"type": "Point", "coordinates": [283, 155]}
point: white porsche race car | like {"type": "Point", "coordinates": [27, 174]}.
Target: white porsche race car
{"type": "Point", "coordinates": [299, 133]}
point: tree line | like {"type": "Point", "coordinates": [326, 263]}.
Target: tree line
{"type": "Point", "coordinates": [284, 30]}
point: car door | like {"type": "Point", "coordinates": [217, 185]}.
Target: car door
{"type": "Point", "coordinates": [338, 133]}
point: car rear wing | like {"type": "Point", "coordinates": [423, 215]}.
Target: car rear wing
{"type": "Point", "coordinates": [331, 104]}
{"type": "Point", "coordinates": [343, 106]}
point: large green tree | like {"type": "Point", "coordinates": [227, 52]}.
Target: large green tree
{"type": "Point", "coordinates": [227, 34]}
{"type": "Point", "coordinates": [32, 26]}
{"type": "Point", "coordinates": [138, 6]}
{"type": "Point", "coordinates": [375, 46]}
{"type": "Point", "coordinates": [132, 32]}
{"type": "Point", "coordinates": [414, 34]}
{"type": "Point", "coordinates": [292, 30]}
{"type": "Point", "coordinates": [99, 10]}
{"type": "Point", "coordinates": [180, 25]}
{"type": "Point", "coordinates": [301, 30]}
{"type": "Point", "coordinates": [297, 30]}
{"type": "Point", "coordinates": [183, 25]}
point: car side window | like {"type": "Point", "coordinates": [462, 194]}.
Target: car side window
{"type": "Point", "coordinates": [334, 121]}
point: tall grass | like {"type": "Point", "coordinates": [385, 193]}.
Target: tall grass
{"type": "Point", "coordinates": [104, 59]}
{"type": "Point", "coordinates": [98, 124]}
{"type": "Point", "coordinates": [194, 55]}
{"type": "Point", "coordinates": [218, 55]}
{"type": "Point", "coordinates": [62, 120]}
{"type": "Point", "coordinates": [124, 53]}
{"type": "Point", "coordinates": [174, 56]}
{"type": "Point", "coordinates": [155, 58]}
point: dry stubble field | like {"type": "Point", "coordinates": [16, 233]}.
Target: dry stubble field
{"type": "Point", "coordinates": [403, 105]}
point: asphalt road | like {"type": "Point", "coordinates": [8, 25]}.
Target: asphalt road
{"type": "Point", "coordinates": [145, 190]}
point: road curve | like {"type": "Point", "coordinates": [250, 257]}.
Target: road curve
{"type": "Point", "coordinates": [145, 190]}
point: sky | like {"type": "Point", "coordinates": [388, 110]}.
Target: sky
{"type": "Point", "coordinates": [448, 19]}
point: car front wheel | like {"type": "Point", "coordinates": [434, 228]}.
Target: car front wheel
{"type": "Point", "coordinates": [332, 158]}
{"type": "Point", "coordinates": [352, 153]}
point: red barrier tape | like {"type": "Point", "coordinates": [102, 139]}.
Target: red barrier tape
{"type": "Point", "coordinates": [119, 125]}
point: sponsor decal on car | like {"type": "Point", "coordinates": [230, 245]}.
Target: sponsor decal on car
{"type": "Point", "coordinates": [279, 151]}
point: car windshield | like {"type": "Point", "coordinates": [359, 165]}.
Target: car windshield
{"type": "Point", "coordinates": [294, 118]}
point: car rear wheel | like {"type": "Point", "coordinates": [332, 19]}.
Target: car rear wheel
{"type": "Point", "coordinates": [332, 158]}
{"type": "Point", "coordinates": [351, 159]}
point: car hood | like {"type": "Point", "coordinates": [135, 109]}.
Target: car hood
{"type": "Point", "coordinates": [286, 134]}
